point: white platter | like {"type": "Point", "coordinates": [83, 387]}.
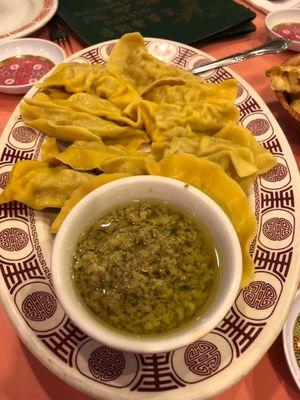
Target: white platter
{"type": "Point", "coordinates": [21, 18]}
{"type": "Point", "coordinates": [214, 362]}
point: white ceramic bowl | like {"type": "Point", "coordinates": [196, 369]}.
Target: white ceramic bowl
{"type": "Point", "coordinates": [175, 192]}
{"type": "Point", "coordinates": [283, 16]}
{"type": "Point", "coordinates": [31, 47]}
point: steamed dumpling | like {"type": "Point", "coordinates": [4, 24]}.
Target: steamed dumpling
{"type": "Point", "coordinates": [131, 60]}
{"type": "Point", "coordinates": [39, 186]}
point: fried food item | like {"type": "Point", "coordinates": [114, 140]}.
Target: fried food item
{"type": "Point", "coordinates": [285, 78]}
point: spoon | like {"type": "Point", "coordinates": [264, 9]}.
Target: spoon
{"type": "Point", "coordinates": [275, 46]}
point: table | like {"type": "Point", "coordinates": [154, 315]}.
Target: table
{"type": "Point", "coordinates": [22, 376]}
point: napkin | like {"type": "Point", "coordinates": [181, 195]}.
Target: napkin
{"type": "Point", "coordinates": [267, 6]}
{"type": "Point", "coordinates": [187, 21]}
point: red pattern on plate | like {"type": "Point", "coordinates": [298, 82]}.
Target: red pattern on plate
{"type": "Point", "coordinates": [277, 173]}
{"type": "Point", "coordinates": [156, 374]}
{"type": "Point", "coordinates": [277, 228]}
{"type": "Point", "coordinates": [4, 179]}
{"type": "Point", "coordinates": [260, 295]}
{"type": "Point", "coordinates": [13, 239]}
{"type": "Point", "coordinates": [258, 126]}
{"type": "Point", "coordinates": [39, 306]}
{"type": "Point", "coordinates": [24, 134]}
{"type": "Point", "coordinates": [106, 364]}
{"type": "Point", "coordinates": [203, 358]}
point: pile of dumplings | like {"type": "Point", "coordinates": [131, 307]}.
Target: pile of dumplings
{"type": "Point", "coordinates": [138, 116]}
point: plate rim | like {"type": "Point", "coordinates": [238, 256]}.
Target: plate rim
{"type": "Point", "coordinates": [23, 33]}
{"type": "Point", "coordinates": [245, 366]}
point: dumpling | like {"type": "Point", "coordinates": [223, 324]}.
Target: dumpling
{"type": "Point", "coordinates": [69, 125]}
{"type": "Point", "coordinates": [95, 155]}
{"type": "Point", "coordinates": [208, 118]}
{"type": "Point", "coordinates": [87, 103]}
{"type": "Point", "coordinates": [130, 60]}
{"type": "Point", "coordinates": [39, 186]}
{"type": "Point", "coordinates": [233, 148]}
{"type": "Point", "coordinates": [73, 77]}
{"type": "Point", "coordinates": [96, 79]}
{"type": "Point", "coordinates": [238, 135]}
{"type": "Point", "coordinates": [194, 92]}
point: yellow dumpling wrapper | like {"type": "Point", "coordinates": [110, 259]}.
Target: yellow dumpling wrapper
{"type": "Point", "coordinates": [49, 151]}
{"type": "Point", "coordinates": [235, 160]}
{"type": "Point", "coordinates": [79, 193]}
{"type": "Point", "coordinates": [212, 180]}
{"type": "Point", "coordinates": [39, 186]}
{"type": "Point", "coordinates": [131, 60]}
{"type": "Point", "coordinates": [88, 155]}
{"type": "Point", "coordinates": [131, 164]}
{"type": "Point", "coordinates": [70, 125]}
{"type": "Point", "coordinates": [90, 104]}
{"type": "Point", "coordinates": [234, 148]}
{"type": "Point", "coordinates": [237, 134]}
{"type": "Point", "coordinates": [96, 79]}
{"type": "Point", "coordinates": [194, 92]}
{"type": "Point", "coordinates": [95, 155]}
{"type": "Point", "coordinates": [74, 77]}
{"type": "Point", "coordinates": [131, 143]}
{"type": "Point", "coordinates": [159, 118]}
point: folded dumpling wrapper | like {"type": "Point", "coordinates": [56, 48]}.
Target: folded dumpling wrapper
{"type": "Point", "coordinates": [233, 148]}
{"type": "Point", "coordinates": [130, 60]}
{"type": "Point", "coordinates": [64, 123]}
{"type": "Point", "coordinates": [39, 186]}
{"type": "Point", "coordinates": [49, 151]}
{"type": "Point", "coordinates": [87, 156]}
{"type": "Point", "coordinates": [96, 79]}
{"type": "Point", "coordinates": [87, 103]}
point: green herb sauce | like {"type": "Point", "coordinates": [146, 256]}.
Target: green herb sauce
{"type": "Point", "coordinates": [146, 268]}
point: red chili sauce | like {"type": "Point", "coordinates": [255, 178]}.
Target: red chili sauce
{"type": "Point", "coordinates": [288, 30]}
{"type": "Point", "coordinates": [21, 70]}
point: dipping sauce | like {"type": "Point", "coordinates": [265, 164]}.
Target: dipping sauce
{"type": "Point", "coordinates": [146, 268]}
{"type": "Point", "coordinates": [296, 340]}
{"type": "Point", "coordinates": [21, 70]}
{"type": "Point", "coordinates": [288, 30]}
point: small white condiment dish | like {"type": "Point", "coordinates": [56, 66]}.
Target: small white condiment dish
{"type": "Point", "coordinates": [28, 47]}
{"type": "Point", "coordinates": [290, 15]}
{"type": "Point", "coordinates": [148, 187]}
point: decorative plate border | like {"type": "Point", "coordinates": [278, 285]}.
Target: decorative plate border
{"type": "Point", "coordinates": [230, 350]}
{"type": "Point", "coordinates": [47, 11]}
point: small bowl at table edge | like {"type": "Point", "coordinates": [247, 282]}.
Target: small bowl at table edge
{"type": "Point", "coordinates": [54, 53]}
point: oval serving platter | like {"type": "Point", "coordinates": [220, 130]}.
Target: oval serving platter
{"type": "Point", "coordinates": [230, 350]}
